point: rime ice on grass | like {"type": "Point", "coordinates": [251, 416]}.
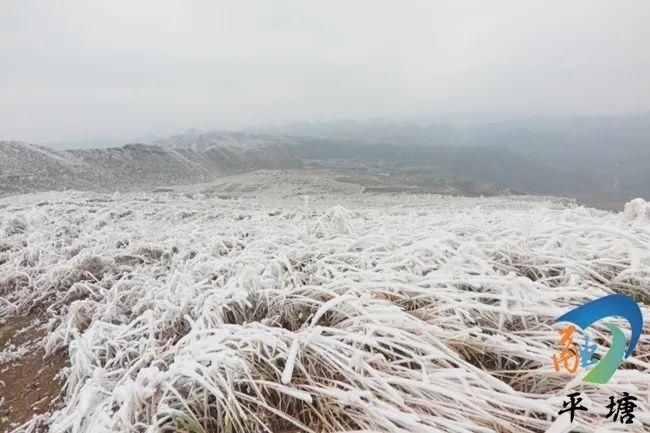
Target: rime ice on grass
{"type": "Point", "coordinates": [188, 312]}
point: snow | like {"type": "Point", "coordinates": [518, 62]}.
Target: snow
{"type": "Point", "coordinates": [637, 209]}
{"type": "Point", "coordinates": [28, 168]}
{"type": "Point", "coordinates": [200, 141]}
{"type": "Point", "coordinates": [184, 310]}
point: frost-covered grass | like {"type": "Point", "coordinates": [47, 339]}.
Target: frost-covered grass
{"type": "Point", "coordinates": [186, 312]}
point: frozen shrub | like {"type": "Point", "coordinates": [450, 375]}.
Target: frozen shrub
{"type": "Point", "coordinates": [92, 268]}
{"type": "Point", "coordinates": [340, 220]}
{"type": "Point", "coordinates": [128, 260]}
{"type": "Point", "coordinates": [225, 247]}
{"type": "Point", "coordinates": [151, 253]}
{"type": "Point", "coordinates": [15, 226]}
{"type": "Point", "coordinates": [13, 283]}
{"type": "Point", "coordinates": [80, 314]}
{"type": "Point", "coordinates": [67, 234]}
{"type": "Point", "coordinates": [637, 209]}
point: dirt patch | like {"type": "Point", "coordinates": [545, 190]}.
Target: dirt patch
{"type": "Point", "coordinates": [28, 384]}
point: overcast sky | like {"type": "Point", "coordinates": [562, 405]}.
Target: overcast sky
{"type": "Point", "coordinates": [86, 69]}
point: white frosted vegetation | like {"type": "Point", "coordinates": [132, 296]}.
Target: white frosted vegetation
{"type": "Point", "coordinates": [397, 314]}
{"type": "Point", "coordinates": [637, 209]}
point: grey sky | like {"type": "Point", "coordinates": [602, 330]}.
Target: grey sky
{"type": "Point", "coordinates": [77, 69]}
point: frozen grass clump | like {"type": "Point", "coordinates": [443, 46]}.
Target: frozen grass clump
{"type": "Point", "coordinates": [397, 314]}
{"type": "Point", "coordinates": [15, 226]}
{"type": "Point", "coordinates": [637, 209]}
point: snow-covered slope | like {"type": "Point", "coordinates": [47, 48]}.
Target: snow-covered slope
{"type": "Point", "coordinates": [186, 311]}
{"type": "Point", "coordinates": [26, 167]}
{"type": "Point", "coordinates": [200, 141]}
{"type": "Point", "coordinates": [237, 148]}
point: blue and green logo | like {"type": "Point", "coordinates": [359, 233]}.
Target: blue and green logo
{"type": "Point", "coordinates": [572, 357]}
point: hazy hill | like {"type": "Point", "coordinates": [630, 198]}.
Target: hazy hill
{"type": "Point", "coordinates": [242, 150]}
{"type": "Point", "coordinates": [476, 165]}
{"type": "Point", "coordinates": [606, 155]}
{"type": "Point", "coordinates": [26, 167]}
{"type": "Point", "coordinates": [594, 158]}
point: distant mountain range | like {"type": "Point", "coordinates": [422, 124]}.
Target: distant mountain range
{"type": "Point", "coordinates": [606, 155]}
{"type": "Point", "coordinates": [469, 165]}
{"type": "Point", "coordinates": [27, 167]}
{"type": "Point", "coordinates": [602, 158]}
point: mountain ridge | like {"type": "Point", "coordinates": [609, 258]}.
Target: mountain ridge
{"type": "Point", "coordinates": [196, 156]}
{"type": "Point", "coordinates": [27, 167]}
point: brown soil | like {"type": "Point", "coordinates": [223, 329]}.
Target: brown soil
{"type": "Point", "coordinates": [30, 387]}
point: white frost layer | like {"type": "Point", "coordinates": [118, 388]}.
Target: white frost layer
{"type": "Point", "coordinates": [400, 314]}
{"type": "Point", "coordinates": [637, 209]}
